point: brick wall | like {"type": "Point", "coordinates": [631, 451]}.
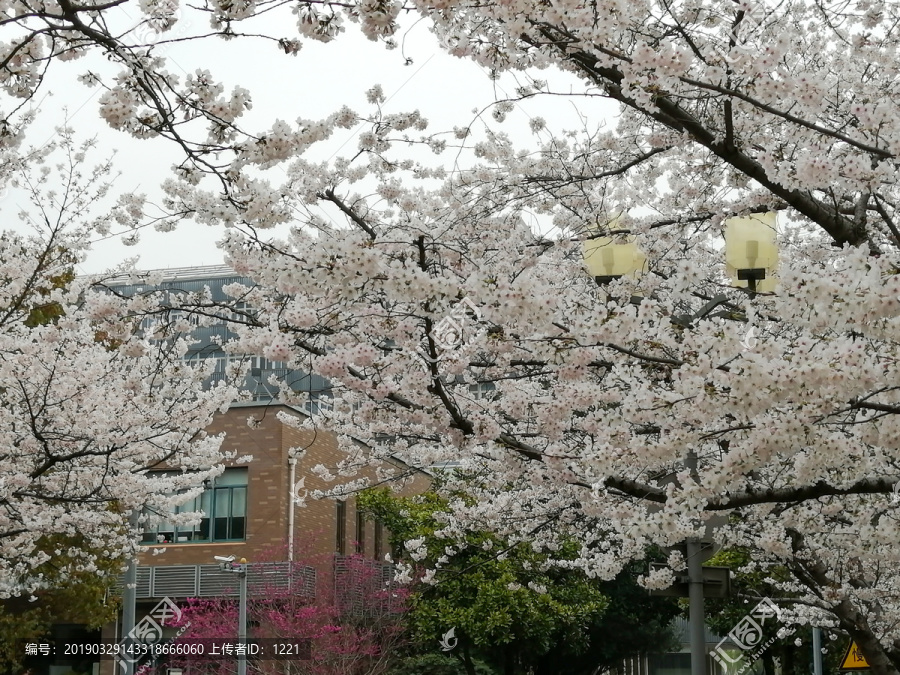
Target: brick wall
{"type": "Point", "coordinates": [269, 495]}
{"type": "Point", "coordinates": [315, 523]}
{"type": "Point", "coordinates": [269, 500]}
{"type": "Point", "coordinates": [266, 524]}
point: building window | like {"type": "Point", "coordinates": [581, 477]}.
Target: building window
{"type": "Point", "coordinates": [202, 358]}
{"type": "Point", "coordinates": [360, 533]}
{"type": "Point", "coordinates": [224, 509]}
{"type": "Point", "coordinates": [482, 390]}
{"type": "Point", "coordinates": [260, 366]}
{"type": "Point", "coordinates": [341, 529]}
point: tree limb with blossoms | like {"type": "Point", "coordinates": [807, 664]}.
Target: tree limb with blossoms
{"type": "Point", "coordinates": [573, 409]}
{"type": "Point", "coordinates": [458, 334]}
{"type": "Point", "coordinates": [786, 105]}
{"type": "Point", "coordinates": [89, 404]}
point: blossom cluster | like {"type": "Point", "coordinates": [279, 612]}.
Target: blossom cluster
{"type": "Point", "coordinates": [88, 405]}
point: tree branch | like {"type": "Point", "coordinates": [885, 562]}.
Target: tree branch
{"type": "Point", "coordinates": [329, 195]}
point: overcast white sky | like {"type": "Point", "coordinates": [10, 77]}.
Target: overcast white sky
{"type": "Point", "coordinates": [318, 81]}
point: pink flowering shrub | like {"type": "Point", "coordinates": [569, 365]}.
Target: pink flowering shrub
{"type": "Point", "coordinates": [353, 622]}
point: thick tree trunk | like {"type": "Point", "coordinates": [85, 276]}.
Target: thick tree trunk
{"type": "Point", "coordinates": [509, 662]}
{"type": "Point", "coordinates": [788, 662]}
{"type": "Point", "coordinates": [768, 660]}
{"type": "Point", "coordinates": [855, 623]}
{"type": "Point", "coordinates": [467, 660]}
{"type": "Point", "coordinates": [814, 575]}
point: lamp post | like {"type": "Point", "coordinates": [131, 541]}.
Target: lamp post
{"type": "Point", "coordinates": [750, 251]}
{"type": "Point", "coordinates": [239, 568]}
{"type": "Point", "coordinates": [817, 650]}
{"type": "Point", "coordinates": [696, 609]}
{"type": "Point", "coordinates": [607, 260]}
{"type": "Point", "coordinates": [750, 255]}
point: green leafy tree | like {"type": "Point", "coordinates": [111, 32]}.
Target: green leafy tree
{"type": "Point", "coordinates": [634, 623]}
{"type": "Point", "coordinates": [73, 595]}
{"type": "Point", "coordinates": [437, 664]}
{"type": "Point", "coordinates": [507, 603]}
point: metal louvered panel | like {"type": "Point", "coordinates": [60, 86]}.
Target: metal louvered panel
{"type": "Point", "coordinates": [174, 581]}
{"type": "Point", "coordinates": [142, 587]}
{"type": "Point", "coordinates": [305, 581]}
{"type": "Point", "coordinates": [184, 581]}
{"type": "Point", "coordinates": [143, 582]}
{"type": "Point", "coordinates": [265, 578]}
{"type": "Point", "coordinates": [215, 582]}
{"type": "Point", "coordinates": [387, 574]}
{"type": "Point", "coordinates": [361, 585]}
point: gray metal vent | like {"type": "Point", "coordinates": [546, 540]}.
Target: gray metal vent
{"type": "Point", "coordinates": [143, 582]}
{"type": "Point", "coordinates": [174, 581]}
{"type": "Point", "coordinates": [186, 581]}
{"type": "Point", "coordinates": [270, 577]}
{"type": "Point", "coordinates": [142, 587]}
{"type": "Point", "coordinates": [305, 581]}
{"type": "Point", "coordinates": [215, 582]}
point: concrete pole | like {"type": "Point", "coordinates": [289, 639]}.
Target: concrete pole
{"type": "Point", "coordinates": [817, 650]}
{"type": "Point", "coordinates": [697, 619]}
{"type": "Point", "coordinates": [129, 595]}
{"type": "Point", "coordinates": [242, 622]}
{"type": "Point", "coordinates": [697, 613]}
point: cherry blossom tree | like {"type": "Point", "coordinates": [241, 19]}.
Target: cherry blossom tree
{"type": "Point", "coordinates": [742, 105]}
{"type": "Point", "coordinates": [89, 402]}
{"type": "Point", "coordinates": [453, 329]}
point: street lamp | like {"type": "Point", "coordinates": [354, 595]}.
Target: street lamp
{"type": "Point", "coordinates": [609, 258]}
{"type": "Point", "coordinates": [751, 255]}
{"type": "Point", "coordinates": [239, 568]}
{"type": "Point", "coordinates": [750, 251]}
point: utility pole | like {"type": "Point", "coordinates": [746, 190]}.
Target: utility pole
{"type": "Point", "coordinates": [697, 619]}
{"type": "Point", "coordinates": [242, 620]}
{"type": "Point", "coordinates": [129, 598]}
{"type": "Point", "coordinates": [817, 650]}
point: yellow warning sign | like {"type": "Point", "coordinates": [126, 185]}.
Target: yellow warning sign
{"type": "Point", "coordinates": [853, 659]}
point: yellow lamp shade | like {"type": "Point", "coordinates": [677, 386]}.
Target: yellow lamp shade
{"type": "Point", "coordinates": [750, 242]}
{"type": "Point", "coordinates": [611, 257]}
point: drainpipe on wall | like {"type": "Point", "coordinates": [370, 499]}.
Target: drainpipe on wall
{"type": "Point", "coordinates": [293, 464]}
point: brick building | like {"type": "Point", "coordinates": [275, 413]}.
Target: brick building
{"type": "Point", "coordinates": [253, 515]}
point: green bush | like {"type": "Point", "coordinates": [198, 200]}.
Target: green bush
{"type": "Point", "coordinates": [436, 664]}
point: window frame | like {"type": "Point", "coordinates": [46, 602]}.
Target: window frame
{"type": "Point", "coordinates": [209, 498]}
{"type": "Point", "coordinates": [378, 539]}
{"type": "Point", "coordinates": [360, 533]}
